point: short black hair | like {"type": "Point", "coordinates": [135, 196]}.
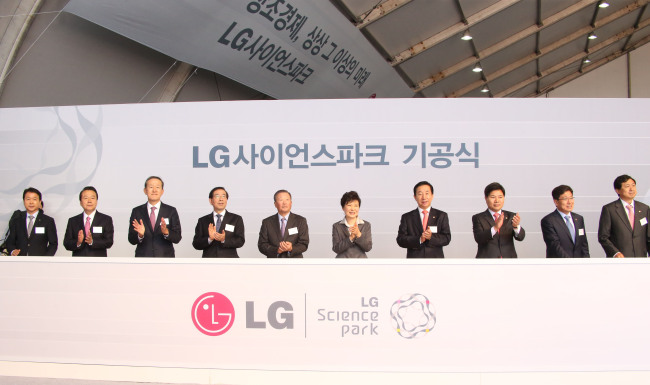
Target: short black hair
{"type": "Point", "coordinates": [218, 188]}
{"type": "Point", "coordinates": [154, 177]}
{"type": "Point", "coordinates": [280, 191]}
{"type": "Point", "coordinates": [350, 196]}
{"type": "Point", "coordinates": [423, 183]}
{"type": "Point", "coordinates": [559, 190]}
{"type": "Point", "coordinates": [32, 190]}
{"type": "Point", "coordinates": [88, 188]}
{"type": "Point", "coordinates": [493, 187]}
{"type": "Point", "coordinates": [618, 182]}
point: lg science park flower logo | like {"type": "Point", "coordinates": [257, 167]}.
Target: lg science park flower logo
{"type": "Point", "coordinates": [213, 314]}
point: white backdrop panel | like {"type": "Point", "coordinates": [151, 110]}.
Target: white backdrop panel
{"type": "Point", "coordinates": [375, 146]}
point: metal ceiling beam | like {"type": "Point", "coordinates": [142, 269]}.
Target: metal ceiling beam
{"type": "Point", "coordinates": [503, 44]}
{"type": "Point", "coordinates": [380, 11]}
{"type": "Point", "coordinates": [551, 47]}
{"type": "Point", "coordinates": [591, 67]}
{"type": "Point", "coordinates": [451, 31]}
{"type": "Point", "coordinates": [573, 59]}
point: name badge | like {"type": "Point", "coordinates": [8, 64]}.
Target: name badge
{"type": "Point", "coordinates": [581, 231]}
{"type": "Point", "coordinates": [434, 229]}
{"type": "Point", "coordinates": [229, 227]}
{"type": "Point", "coordinates": [166, 221]}
{"type": "Point", "coordinates": [293, 230]}
{"type": "Point", "coordinates": [39, 230]}
{"type": "Point", "coordinates": [643, 221]}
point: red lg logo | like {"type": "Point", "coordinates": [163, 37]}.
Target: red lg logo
{"type": "Point", "coordinates": [213, 314]}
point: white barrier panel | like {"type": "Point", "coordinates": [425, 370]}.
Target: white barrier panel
{"type": "Point", "coordinates": [319, 149]}
{"type": "Point", "coordinates": [432, 316]}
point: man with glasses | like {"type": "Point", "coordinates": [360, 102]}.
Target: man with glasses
{"type": "Point", "coordinates": [563, 230]}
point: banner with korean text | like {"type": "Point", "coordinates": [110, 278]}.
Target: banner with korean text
{"type": "Point", "coordinates": [318, 150]}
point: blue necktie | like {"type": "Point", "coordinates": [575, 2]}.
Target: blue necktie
{"type": "Point", "coordinates": [218, 222]}
{"type": "Point", "coordinates": [571, 229]}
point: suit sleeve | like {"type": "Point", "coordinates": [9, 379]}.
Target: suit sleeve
{"type": "Point", "coordinates": [52, 238]}
{"type": "Point", "coordinates": [236, 238]}
{"type": "Point", "coordinates": [133, 235]}
{"type": "Point", "coordinates": [340, 241]}
{"type": "Point", "coordinates": [521, 235]}
{"type": "Point", "coordinates": [200, 240]}
{"type": "Point", "coordinates": [263, 245]}
{"type": "Point", "coordinates": [302, 243]}
{"type": "Point", "coordinates": [174, 227]}
{"type": "Point", "coordinates": [365, 241]}
{"type": "Point", "coordinates": [604, 233]}
{"type": "Point", "coordinates": [12, 238]}
{"type": "Point", "coordinates": [647, 228]}
{"type": "Point", "coordinates": [552, 240]}
{"type": "Point", "coordinates": [105, 239]}
{"type": "Point", "coordinates": [585, 244]}
{"type": "Point", "coordinates": [482, 234]}
{"type": "Point", "coordinates": [443, 236]}
{"type": "Point", "coordinates": [70, 237]}
{"type": "Point", "coordinates": [404, 239]}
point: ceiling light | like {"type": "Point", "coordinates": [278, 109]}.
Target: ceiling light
{"type": "Point", "coordinates": [485, 89]}
{"type": "Point", "coordinates": [587, 60]}
{"type": "Point", "coordinates": [603, 4]}
{"type": "Point", "coordinates": [466, 36]}
{"type": "Point", "coordinates": [477, 68]}
{"type": "Point", "coordinates": [592, 36]}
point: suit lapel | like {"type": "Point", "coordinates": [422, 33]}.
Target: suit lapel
{"type": "Point", "coordinates": [418, 219]}
{"type": "Point", "coordinates": [562, 224]}
{"type": "Point", "coordinates": [290, 224]}
{"type": "Point", "coordinates": [622, 213]}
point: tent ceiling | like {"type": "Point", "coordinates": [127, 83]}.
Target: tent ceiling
{"type": "Point", "coordinates": [525, 47]}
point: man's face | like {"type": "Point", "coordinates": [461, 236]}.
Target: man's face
{"type": "Point", "coordinates": [88, 201]}
{"type": "Point", "coordinates": [423, 196]}
{"type": "Point", "coordinates": [219, 200]}
{"type": "Point", "coordinates": [627, 192]}
{"type": "Point", "coordinates": [351, 209]}
{"type": "Point", "coordinates": [283, 203]}
{"type": "Point", "coordinates": [32, 202]}
{"type": "Point", "coordinates": [154, 190]}
{"type": "Point", "coordinates": [565, 202]}
{"type": "Point", "coordinates": [495, 200]}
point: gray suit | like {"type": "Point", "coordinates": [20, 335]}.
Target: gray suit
{"type": "Point", "coordinates": [616, 235]}
{"type": "Point", "coordinates": [270, 236]}
{"type": "Point", "coordinates": [344, 247]}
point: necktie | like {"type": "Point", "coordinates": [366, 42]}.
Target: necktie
{"type": "Point", "coordinates": [630, 215]}
{"type": "Point", "coordinates": [496, 216]}
{"type": "Point", "coordinates": [30, 226]}
{"type": "Point", "coordinates": [218, 222]}
{"type": "Point", "coordinates": [282, 227]}
{"type": "Point", "coordinates": [87, 227]}
{"type": "Point", "coordinates": [152, 218]}
{"type": "Point", "coordinates": [425, 219]}
{"type": "Point", "coordinates": [569, 224]}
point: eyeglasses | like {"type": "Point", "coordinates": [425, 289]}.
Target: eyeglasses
{"type": "Point", "coordinates": [567, 199]}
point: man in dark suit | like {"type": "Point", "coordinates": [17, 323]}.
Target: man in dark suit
{"type": "Point", "coordinates": [285, 234]}
{"type": "Point", "coordinates": [154, 226]}
{"type": "Point", "coordinates": [494, 229]}
{"type": "Point", "coordinates": [220, 233]}
{"type": "Point", "coordinates": [32, 232]}
{"type": "Point", "coordinates": [563, 230]}
{"type": "Point", "coordinates": [623, 228]}
{"type": "Point", "coordinates": [90, 233]}
{"type": "Point", "coordinates": [424, 231]}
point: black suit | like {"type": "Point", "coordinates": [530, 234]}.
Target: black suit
{"type": "Point", "coordinates": [234, 238]}
{"type": "Point", "coordinates": [502, 244]}
{"type": "Point", "coordinates": [102, 231]}
{"type": "Point", "coordinates": [558, 238]}
{"type": "Point", "coordinates": [410, 230]}
{"type": "Point", "coordinates": [616, 235]}
{"type": "Point", "coordinates": [42, 241]}
{"type": "Point", "coordinates": [270, 236]}
{"type": "Point", "coordinates": [154, 243]}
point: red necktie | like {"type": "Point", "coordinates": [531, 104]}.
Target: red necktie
{"type": "Point", "coordinates": [152, 218]}
{"type": "Point", "coordinates": [87, 227]}
{"type": "Point", "coordinates": [630, 215]}
{"type": "Point", "coordinates": [425, 219]}
{"type": "Point", "coordinates": [496, 216]}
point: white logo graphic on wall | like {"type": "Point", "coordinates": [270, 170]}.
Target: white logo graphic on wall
{"type": "Point", "coordinates": [413, 316]}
